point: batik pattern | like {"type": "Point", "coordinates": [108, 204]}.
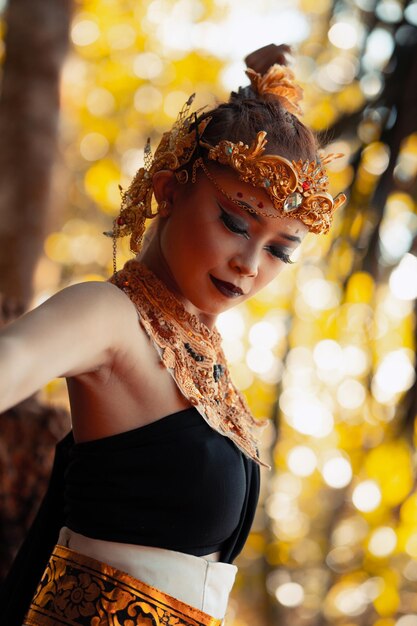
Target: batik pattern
{"type": "Point", "coordinates": [76, 590]}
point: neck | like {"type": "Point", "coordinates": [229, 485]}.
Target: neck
{"type": "Point", "coordinates": [153, 257]}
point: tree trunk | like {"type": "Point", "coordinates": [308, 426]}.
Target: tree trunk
{"type": "Point", "coordinates": [36, 42]}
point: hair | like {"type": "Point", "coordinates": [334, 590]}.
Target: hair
{"type": "Point", "coordinates": [247, 112]}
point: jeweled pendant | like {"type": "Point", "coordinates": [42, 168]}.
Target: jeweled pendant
{"type": "Point", "coordinates": [292, 202]}
{"type": "Point", "coordinates": [218, 371]}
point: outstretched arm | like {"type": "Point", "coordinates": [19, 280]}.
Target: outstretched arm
{"type": "Point", "coordinates": [74, 332]}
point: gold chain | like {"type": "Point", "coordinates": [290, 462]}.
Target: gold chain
{"type": "Point", "coordinates": [200, 163]}
{"type": "Point", "coordinates": [114, 249]}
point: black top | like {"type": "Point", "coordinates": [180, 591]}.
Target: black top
{"type": "Point", "coordinates": [175, 483]}
{"type": "Point", "coordinates": [27, 569]}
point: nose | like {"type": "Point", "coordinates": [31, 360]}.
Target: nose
{"type": "Point", "coordinates": [245, 264]}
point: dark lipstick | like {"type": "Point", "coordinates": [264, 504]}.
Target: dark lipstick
{"type": "Point", "coordinates": [227, 289]}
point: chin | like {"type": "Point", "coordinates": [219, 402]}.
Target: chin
{"type": "Point", "coordinates": [212, 305]}
{"type": "Point", "coordinates": [209, 309]}
{"type": "Point", "coordinates": [221, 308]}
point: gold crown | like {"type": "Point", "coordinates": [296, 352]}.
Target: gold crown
{"type": "Point", "coordinates": [296, 188]}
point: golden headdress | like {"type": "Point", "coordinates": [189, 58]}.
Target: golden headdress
{"type": "Point", "coordinates": [298, 189]}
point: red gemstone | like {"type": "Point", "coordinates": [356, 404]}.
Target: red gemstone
{"type": "Point", "coordinates": [306, 185]}
{"type": "Point", "coordinates": [261, 205]}
{"type": "Point", "coordinates": [239, 194]}
{"type": "Point", "coordinates": [120, 221]}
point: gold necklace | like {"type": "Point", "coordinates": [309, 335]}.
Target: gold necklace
{"type": "Point", "coordinates": [193, 355]}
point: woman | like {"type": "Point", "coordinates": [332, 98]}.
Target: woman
{"type": "Point", "coordinates": [161, 484]}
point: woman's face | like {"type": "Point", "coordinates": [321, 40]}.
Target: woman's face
{"type": "Point", "coordinates": [213, 253]}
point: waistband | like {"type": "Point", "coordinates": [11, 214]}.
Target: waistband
{"type": "Point", "coordinates": [76, 590]}
{"type": "Point", "coordinates": [204, 585]}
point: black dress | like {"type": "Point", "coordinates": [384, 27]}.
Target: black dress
{"type": "Point", "coordinates": [175, 484]}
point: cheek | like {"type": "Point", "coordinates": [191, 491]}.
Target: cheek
{"type": "Point", "coordinates": [268, 271]}
{"type": "Point", "coordinates": [196, 236]}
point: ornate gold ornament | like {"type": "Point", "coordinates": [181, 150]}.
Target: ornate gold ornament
{"type": "Point", "coordinates": [77, 590]}
{"type": "Point", "coordinates": [296, 188]}
{"type": "Point", "coordinates": [193, 355]}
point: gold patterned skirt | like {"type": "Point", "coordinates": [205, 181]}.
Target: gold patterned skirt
{"type": "Point", "coordinates": [80, 591]}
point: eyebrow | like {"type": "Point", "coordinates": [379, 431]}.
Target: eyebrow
{"type": "Point", "coordinates": [256, 217]}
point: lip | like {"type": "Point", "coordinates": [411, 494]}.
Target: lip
{"type": "Point", "coordinates": [227, 289]}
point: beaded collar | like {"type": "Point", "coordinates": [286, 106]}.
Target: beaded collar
{"type": "Point", "coordinates": [193, 355]}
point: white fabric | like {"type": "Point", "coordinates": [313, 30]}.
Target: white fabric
{"type": "Point", "coordinates": [203, 584]}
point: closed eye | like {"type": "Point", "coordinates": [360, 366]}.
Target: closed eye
{"type": "Point", "coordinates": [232, 225]}
{"type": "Point", "coordinates": [279, 254]}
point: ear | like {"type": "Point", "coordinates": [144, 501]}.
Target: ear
{"type": "Point", "coordinates": [164, 184]}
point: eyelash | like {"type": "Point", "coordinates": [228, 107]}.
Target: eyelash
{"type": "Point", "coordinates": [229, 222]}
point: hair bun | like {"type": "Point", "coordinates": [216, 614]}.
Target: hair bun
{"type": "Point", "coordinates": [262, 59]}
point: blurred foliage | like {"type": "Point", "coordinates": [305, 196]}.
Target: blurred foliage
{"type": "Point", "coordinates": [327, 352]}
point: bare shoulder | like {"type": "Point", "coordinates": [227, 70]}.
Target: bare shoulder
{"type": "Point", "coordinates": [102, 298]}
{"type": "Point", "coordinates": [103, 303]}
{"type": "Point", "coordinates": [89, 320]}
{"type": "Point", "coordinates": [110, 317]}
{"type": "Point", "coordinates": [93, 289]}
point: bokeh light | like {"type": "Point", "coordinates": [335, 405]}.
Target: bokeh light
{"type": "Point", "coordinates": [366, 496]}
